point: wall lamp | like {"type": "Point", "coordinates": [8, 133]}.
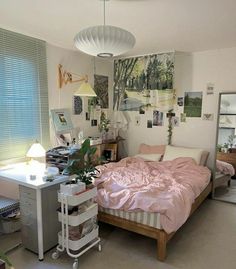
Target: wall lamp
{"type": "Point", "coordinates": [65, 77]}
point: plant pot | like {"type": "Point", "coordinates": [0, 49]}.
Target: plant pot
{"type": "Point", "coordinates": [71, 189]}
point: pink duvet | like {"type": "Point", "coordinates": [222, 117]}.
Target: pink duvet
{"type": "Point", "coordinates": [167, 187]}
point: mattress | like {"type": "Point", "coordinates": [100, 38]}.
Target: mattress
{"type": "Point", "coordinates": [151, 219]}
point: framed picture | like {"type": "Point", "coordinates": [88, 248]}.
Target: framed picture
{"type": "Point", "coordinates": [61, 120]}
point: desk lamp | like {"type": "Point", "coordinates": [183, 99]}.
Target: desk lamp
{"type": "Point", "coordinates": [36, 151]}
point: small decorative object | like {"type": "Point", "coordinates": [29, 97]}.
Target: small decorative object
{"type": "Point", "coordinates": [208, 116]}
{"type": "Point", "coordinates": [104, 126]}
{"type": "Point", "coordinates": [210, 88]}
{"type": "Point", "coordinates": [81, 164]}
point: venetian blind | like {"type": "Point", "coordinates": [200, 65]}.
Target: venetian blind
{"type": "Point", "coordinates": [23, 94]}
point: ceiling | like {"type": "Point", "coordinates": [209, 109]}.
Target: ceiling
{"type": "Point", "coordinates": [158, 25]}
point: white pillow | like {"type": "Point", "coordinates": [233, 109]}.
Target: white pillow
{"type": "Point", "coordinates": [154, 157]}
{"type": "Point", "coordinates": [172, 153]}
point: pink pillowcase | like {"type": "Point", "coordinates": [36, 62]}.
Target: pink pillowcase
{"type": "Point", "coordinates": [148, 149]}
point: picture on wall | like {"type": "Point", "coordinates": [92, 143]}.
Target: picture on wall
{"type": "Point", "coordinates": [137, 80]}
{"type": "Point", "coordinates": [182, 117]}
{"type": "Point", "coordinates": [193, 104]}
{"type": "Point", "coordinates": [78, 105]}
{"type": "Point", "coordinates": [61, 120]}
{"type": "Point", "coordinates": [157, 118]}
{"type": "Point", "coordinates": [149, 123]}
{"type": "Point", "coordinates": [175, 121]}
{"type": "Point", "coordinates": [101, 89]}
{"type": "Point", "coordinates": [208, 116]}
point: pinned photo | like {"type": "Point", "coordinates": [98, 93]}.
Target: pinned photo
{"type": "Point", "coordinates": [157, 118]}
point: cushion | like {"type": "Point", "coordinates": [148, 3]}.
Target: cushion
{"type": "Point", "coordinates": [155, 157]}
{"type": "Point", "coordinates": [172, 153]}
{"type": "Point", "coordinates": [149, 149]}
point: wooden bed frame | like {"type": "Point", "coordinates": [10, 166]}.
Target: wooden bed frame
{"type": "Point", "coordinates": [160, 235]}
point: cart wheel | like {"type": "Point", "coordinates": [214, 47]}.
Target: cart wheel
{"type": "Point", "coordinates": [55, 255]}
{"type": "Point", "coordinates": [99, 247]}
{"type": "Point", "coordinates": [75, 264]}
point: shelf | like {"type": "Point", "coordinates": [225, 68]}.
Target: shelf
{"type": "Point", "coordinates": [80, 198]}
{"type": "Point", "coordinates": [75, 220]}
{"type": "Point", "coordinates": [78, 244]}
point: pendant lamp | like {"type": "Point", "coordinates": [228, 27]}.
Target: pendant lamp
{"type": "Point", "coordinates": [104, 40]}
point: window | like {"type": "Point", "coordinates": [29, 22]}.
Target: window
{"type": "Point", "coordinates": [23, 94]}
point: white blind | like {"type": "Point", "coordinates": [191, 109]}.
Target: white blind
{"type": "Point", "coordinates": [24, 114]}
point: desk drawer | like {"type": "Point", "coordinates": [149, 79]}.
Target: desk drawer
{"type": "Point", "coordinates": [27, 193]}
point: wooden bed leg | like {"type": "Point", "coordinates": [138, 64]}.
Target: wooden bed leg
{"type": "Point", "coordinates": [161, 246]}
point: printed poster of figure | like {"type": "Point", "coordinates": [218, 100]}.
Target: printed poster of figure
{"type": "Point", "coordinates": [101, 89]}
{"type": "Point", "coordinates": [193, 104]}
{"type": "Point", "coordinates": [157, 118]}
{"type": "Point", "coordinates": [78, 105]}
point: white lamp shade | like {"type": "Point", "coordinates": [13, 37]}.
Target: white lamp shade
{"type": "Point", "coordinates": [104, 41]}
{"type": "Point", "coordinates": [36, 150]}
{"type": "Point", "coordinates": [85, 89]}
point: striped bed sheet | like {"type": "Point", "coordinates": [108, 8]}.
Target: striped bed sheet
{"type": "Point", "coordinates": [147, 218]}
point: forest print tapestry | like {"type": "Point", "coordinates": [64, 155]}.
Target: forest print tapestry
{"type": "Point", "coordinates": [140, 81]}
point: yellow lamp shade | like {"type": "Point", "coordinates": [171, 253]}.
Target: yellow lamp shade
{"type": "Point", "coordinates": [85, 89]}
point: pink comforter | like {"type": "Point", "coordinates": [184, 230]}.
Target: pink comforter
{"type": "Point", "coordinates": [167, 187]}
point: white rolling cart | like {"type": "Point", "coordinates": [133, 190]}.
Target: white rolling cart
{"type": "Point", "coordinates": [75, 248]}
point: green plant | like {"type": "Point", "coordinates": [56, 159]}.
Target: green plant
{"type": "Point", "coordinates": [219, 147]}
{"type": "Point", "coordinates": [104, 123]}
{"type": "Point", "coordinates": [4, 258]}
{"type": "Point", "coordinates": [81, 163]}
{"type": "Point", "coordinates": [231, 140]}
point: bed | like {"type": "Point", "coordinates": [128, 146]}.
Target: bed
{"type": "Point", "coordinates": [224, 172]}
{"type": "Point", "coordinates": [131, 215]}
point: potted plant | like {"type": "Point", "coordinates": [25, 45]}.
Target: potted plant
{"type": "Point", "coordinates": [104, 126]}
{"type": "Point", "coordinates": [81, 164]}
{"type": "Point", "coordinates": [5, 259]}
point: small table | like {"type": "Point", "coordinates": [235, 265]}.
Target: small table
{"type": "Point", "coordinates": [31, 176]}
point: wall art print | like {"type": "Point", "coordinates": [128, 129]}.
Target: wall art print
{"type": "Point", "coordinates": [78, 105]}
{"type": "Point", "coordinates": [101, 89]}
{"type": "Point", "coordinates": [137, 81]}
{"type": "Point", "coordinates": [193, 104]}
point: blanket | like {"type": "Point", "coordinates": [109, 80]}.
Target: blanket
{"type": "Point", "coordinates": [168, 187]}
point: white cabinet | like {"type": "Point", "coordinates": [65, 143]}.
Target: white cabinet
{"type": "Point", "coordinates": [79, 230]}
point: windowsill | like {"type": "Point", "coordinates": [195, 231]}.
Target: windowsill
{"type": "Point", "coordinates": [12, 161]}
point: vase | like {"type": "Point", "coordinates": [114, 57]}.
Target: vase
{"type": "Point", "coordinates": [104, 136]}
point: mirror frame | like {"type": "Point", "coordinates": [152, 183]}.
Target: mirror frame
{"type": "Point", "coordinates": [216, 141]}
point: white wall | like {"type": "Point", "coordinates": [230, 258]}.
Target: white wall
{"type": "Point", "coordinates": [78, 63]}
{"type": "Point", "coordinates": [192, 73]}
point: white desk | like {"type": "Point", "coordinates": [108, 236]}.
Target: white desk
{"type": "Point", "coordinates": [21, 174]}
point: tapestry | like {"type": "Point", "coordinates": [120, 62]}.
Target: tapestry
{"type": "Point", "coordinates": [138, 80]}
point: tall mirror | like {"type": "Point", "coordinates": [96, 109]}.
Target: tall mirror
{"type": "Point", "coordinates": [225, 177]}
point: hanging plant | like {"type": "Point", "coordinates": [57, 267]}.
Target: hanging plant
{"type": "Point", "coordinates": [170, 114]}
